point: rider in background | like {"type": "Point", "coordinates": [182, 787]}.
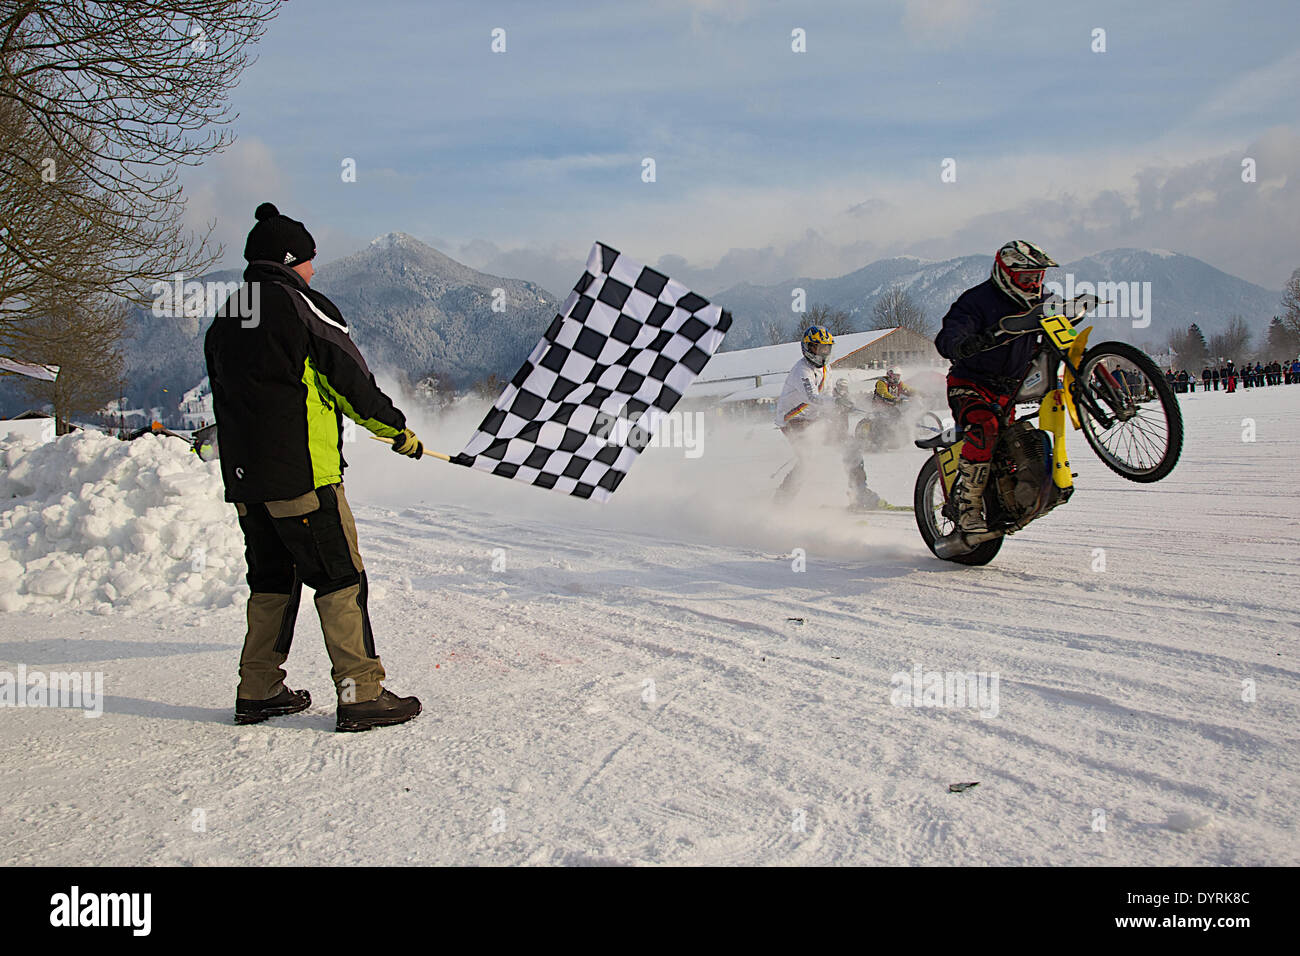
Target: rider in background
{"type": "Point", "coordinates": [987, 371]}
{"type": "Point", "coordinates": [812, 412]}
{"type": "Point", "coordinates": [891, 388]}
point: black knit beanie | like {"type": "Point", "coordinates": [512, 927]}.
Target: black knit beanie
{"type": "Point", "coordinates": [278, 238]}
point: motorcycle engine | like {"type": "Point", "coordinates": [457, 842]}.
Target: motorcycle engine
{"type": "Point", "coordinates": [1024, 469]}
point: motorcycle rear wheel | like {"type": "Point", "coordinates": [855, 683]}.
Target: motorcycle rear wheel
{"type": "Point", "coordinates": [928, 501]}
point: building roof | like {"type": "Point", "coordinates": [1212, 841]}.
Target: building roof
{"type": "Point", "coordinates": [778, 359]}
{"type": "Point", "coordinates": [748, 374]}
{"type": "Point", "coordinates": [771, 391]}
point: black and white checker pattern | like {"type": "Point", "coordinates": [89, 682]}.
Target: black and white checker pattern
{"type": "Point", "coordinates": [626, 344]}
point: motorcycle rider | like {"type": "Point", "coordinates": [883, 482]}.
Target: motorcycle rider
{"type": "Point", "coordinates": [986, 370]}
{"type": "Point", "coordinates": [813, 411]}
{"type": "Point", "coordinates": [891, 389]}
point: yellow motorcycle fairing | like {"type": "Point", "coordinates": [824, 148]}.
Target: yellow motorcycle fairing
{"type": "Point", "coordinates": [1051, 419]}
{"type": "Point", "coordinates": [1074, 343]}
{"type": "Point", "coordinates": [948, 466]}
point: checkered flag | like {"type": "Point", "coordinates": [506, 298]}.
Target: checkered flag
{"type": "Point", "coordinates": [626, 344]}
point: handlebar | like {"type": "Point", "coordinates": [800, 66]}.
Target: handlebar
{"type": "Point", "coordinates": [1029, 321]}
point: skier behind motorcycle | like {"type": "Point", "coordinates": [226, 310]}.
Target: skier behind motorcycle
{"type": "Point", "coordinates": [812, 413]}
{"type": "Point", "coordinates": [891, 389]}
{"type": "Point", "coordinates": [985, 373]}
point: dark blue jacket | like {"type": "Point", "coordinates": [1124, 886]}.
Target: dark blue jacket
{"type": "Point", "coordinates": [977, 310]}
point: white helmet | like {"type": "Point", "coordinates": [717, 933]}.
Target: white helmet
{"type": "Point", "coordinates": [1018, 269]}
{"type": "Point", "coordinates": [893, 376]}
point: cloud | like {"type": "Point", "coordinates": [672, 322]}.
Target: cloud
{"type": "Point", "coordinates": [706, 13]}
{"type": "Point", "coordinates": [1255, 91]}
{"type": "Point", "coordinates": [553, 266]}
{"type": "Point", "coordinates": [772, 165]}
{"type": "Point", "coordinates": [1200, 207]}
{"type": "Point", "coordinates": [1197, 205]}
{"type": "Point", "coordinates": [230, 186]}
{"type": "Point", "coordinates": [940, 23]}
{"type": "Point", "coordinates": [556, 167]}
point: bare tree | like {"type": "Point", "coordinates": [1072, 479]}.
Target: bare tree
{"type": "Point", "coordinates": [434, 391]}
{"type": "Point", "coordinates": [100, 104]}
{"type": "Point", "coordinates": [774, 334]}
{"type": "Point", "coordinates": [1189, 344]}
{"type": "Point", "coordinates": [487, 388]}
{"type": "Point", "coordinates": [1291, 304]}
{"type": "Point", "coordinates": [896, 310]}
{"type": "Point", "coordinates": [45, 243]}
{"type": "Point", "coordinates": [1233, 342]}
{"type": "Point", "coordinates": [836, 321]}
{"type": "Point", "coordinates": [84, 339]}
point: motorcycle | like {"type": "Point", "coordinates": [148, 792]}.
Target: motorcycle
{"type": "Point", "coordinates": [1112, 392]}
{"type": "Point", "coordinates": [884, 427]}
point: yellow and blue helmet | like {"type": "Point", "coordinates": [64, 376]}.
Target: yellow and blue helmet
{"type": "Point", "coordinates": [817, 342]}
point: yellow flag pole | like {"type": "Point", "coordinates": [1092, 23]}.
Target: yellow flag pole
{"type": "Point", "coordinates": [428, 454]}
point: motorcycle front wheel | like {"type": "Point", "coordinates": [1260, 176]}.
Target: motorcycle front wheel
{"type": "Point", "coordinates": [928, 504]}
{"type": "Point", "coordinates": [1144, 438]}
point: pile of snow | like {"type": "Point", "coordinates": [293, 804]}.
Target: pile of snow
{"type": "Point", "coordinates": [97, 523]}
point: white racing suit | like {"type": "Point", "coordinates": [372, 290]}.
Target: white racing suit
{"type": "Point", "coordinates": [811, 419]}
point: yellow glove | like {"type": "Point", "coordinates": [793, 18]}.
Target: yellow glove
{"type": "Point", "coordinates": [407, 444]}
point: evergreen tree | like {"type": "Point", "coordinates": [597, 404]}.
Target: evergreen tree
{"type": "Point", "coordinates": [1282, 342]}
{"type": "Point", "coordinates": [1195, 350]}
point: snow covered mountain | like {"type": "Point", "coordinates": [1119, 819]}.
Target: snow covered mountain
{"type": "Point", "coordinates": [1183, 290]}
{"type": "Point", "coordinates": [166, 352]}
{"type": "Point", "coordinates": [412, 308]}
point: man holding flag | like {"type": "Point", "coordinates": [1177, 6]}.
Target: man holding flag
{"type": "Point", "coordinates": [283, 376]}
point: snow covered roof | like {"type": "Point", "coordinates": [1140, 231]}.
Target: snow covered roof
{"type": "Point", "coordinates": [44, 373]}
{"type": "Point", "coordinates": [778, 359]}
{"type": "Point", "coordinates": [198, 392]}
{"type": "Point", "coordinates": [749, 374]}
{"type": "Point", "coordinates": [700, 389]}
{"type": "Point", "coordinates": [771, 391]}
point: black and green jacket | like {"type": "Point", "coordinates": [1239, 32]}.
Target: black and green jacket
{"type": "Point", "coordinates": [283, 376]}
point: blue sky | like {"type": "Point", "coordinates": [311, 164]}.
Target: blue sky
{"type": "Point", "coordinates": [771, 163]}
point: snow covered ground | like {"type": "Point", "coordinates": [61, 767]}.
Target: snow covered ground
{"type": "Point", "coordinates": [653, 681]}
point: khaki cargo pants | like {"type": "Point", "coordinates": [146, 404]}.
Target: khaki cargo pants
{"type": "Point", "coordinates": [308, 540]}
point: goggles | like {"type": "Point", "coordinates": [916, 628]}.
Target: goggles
{"type": "Point", "coordinates": [1027, 280]}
